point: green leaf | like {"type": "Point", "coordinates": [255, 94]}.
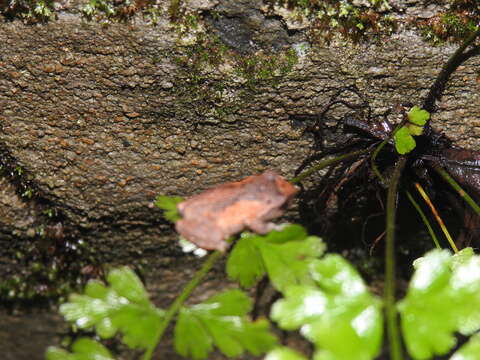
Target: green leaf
{"type": "Point", "coordinates": [462, 257]}
{"type": "Point", "coordinates": [469, 351]}
{"type": "Point", "coordinates": [124, 307]}
{"type": "Point", "coordinates": [284, 353]}
{"type": "Point", "coordinates": [444, 285]}
{"type": "Point", "coordinates": [302, 304]}
{"type": "Point", "coordinates": [404, 141]}
{"type": "Point", "coordinates": [191, 337]}
{"type": "Point", "coordinates": [228, 303]}
{"type": "Point", "coordinates": [127, 284]}
{"type": "Point", "coordinates": [287, 234]}
{"type": "Point", "coordinates": [221, 321]}
{"type": "Point", "coordinates": [284, 255]}
{"type": "Point", "coordinates": [83, 349]}
{"type": "Point", "coordinates": [245, 263]}
{"type": "Point", "coordinates": [418, 116]}
{"type": "Point", "coordinates": [169, 205]}
{"type": "Point", "coordinates": [336, 311]}
{"type": "Point", "coordinates": [288, 263]}
{"type": "Point", "coordinates": [415, 130]}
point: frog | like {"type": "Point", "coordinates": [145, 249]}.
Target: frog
{"type": "Point", "coordinates": [213, 216]}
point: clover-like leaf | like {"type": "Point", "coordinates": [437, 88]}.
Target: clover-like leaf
{"type": "Point", "coordinates": [82, 349]}
{"type": "Point", "coordinates": [284, 255]}
{"type": "Point", "coordinates": [336, 311]}
{"type": "Point", "coordinates": [169, 205]}
{"type": "Point", "coordinates": [418, 116]}
{"type": "Point", "coordinates": [415, 130]}
{"type": "Point", "coordinates": [284, 353]}
{"type": "Point", "coordinates": [221, 321]}
{"type": "Point", "coordinates": [445, 285]}
{"type": "Point", "coordinates": [124, 307]}
{"type": "Point", "coordinates": [404, 141]}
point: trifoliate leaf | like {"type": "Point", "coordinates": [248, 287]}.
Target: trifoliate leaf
{"type": "Point", "coordinates": [415, 130]}
{"type": "Point", "coordinates": [284, 353]}
{"type": "Point", "coordinates": [124, 307]}
{"type": "Point", "coordinates": [469, 351]}
{"type": "Point", "coordinates": [221, 321]}
{"type": "Point", "coordinates": [336, 311]}
{"type": "Point", "coordinates": [404, 141]}
{"type": "Point", "coordinates": [83, 349]}
{"type": "Point", "coordinates": [284, 255]}
{"type": "Point", "coordinates": [441, 285]}
{"type": "Point", "coordinates": [418, 116]}
{"type": "Point", "coordinates": [169, 205]}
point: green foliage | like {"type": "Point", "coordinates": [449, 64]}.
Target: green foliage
{"type": "Point", "coordinates": [444, 285]}
{"type": "Point", "coordinates": [350, 19]}
{"type": "Point", "coordinates": [82, 349]}
{"type": "Point", "coordinates": [31, 11]}
{"type": "Point", "coordinates": [283, 255]}
{"type": "Point", "coordinates": [418, 116]}
{"type": "Point", "coordinates": [324, 298]}
{"type": "Point", "coordinates": [455, 24]}
{"type": "Point", "coordinates": [169, 205]}
{"type": "Point", "coordinates": [121, 307]}
{"type": "Point", "coordinates": [337, 313]}
{"type": "Point", "coordinates": [404, 141]}
{"type": "Point", "coordinates": [221, 321]}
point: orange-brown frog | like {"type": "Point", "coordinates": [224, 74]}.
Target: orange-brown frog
{"type": "Point", "coordinates": [211, 217]}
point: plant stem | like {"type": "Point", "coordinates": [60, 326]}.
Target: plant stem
{"type": "Point", "coordinates": [424, 219]}
{"type": "Point", "coordinates": [324, 163]}
{"type": "Point", "coordinates": [452, 64]}
{"type": "Point", "coordinates": [444, 174]}
{"type": "Point", "coordinates": [437, 217]}
{"type": "Point", "coordinates": [380, 147]}
{"type": "Point", "coordinates": [389, 291]}
{"type": "Point", "coordinates": [175, 307]}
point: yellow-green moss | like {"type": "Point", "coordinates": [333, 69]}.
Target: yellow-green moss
{"type": "Point", "coordinates": [332, 17]}
{"type": "Point", "coordinates": [454, 25]}
{"type": "Point", "coordinates": [208, 68]}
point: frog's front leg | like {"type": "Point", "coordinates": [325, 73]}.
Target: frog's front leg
{"type": "Point", "coordinates": [261, 227]}
{"type": "Point", "coordinates": [204, 234]}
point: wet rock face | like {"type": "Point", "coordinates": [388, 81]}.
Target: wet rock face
{"type": "Point", "coordinates": [245, 27]}
{"type": "Point", "coordinates": [103, 120]}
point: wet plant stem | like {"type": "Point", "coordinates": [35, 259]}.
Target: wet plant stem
{"type": "Point", "coordinates": [437, 217]}
{"type": "Point", "coordinates": [380, 147]}
{"type": "Point", "coordinates": [389, 291]}
{"type": "Point", "coordinates": [327, 162]}
{"type": "Point", "coordinates": [177, 304]}
{"type": "Point", "coordinates": [446, 176]}
{"type": "Point", "coordinates": [424, 219]}
{"type": "Point", "coordinates": [452, 64]}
